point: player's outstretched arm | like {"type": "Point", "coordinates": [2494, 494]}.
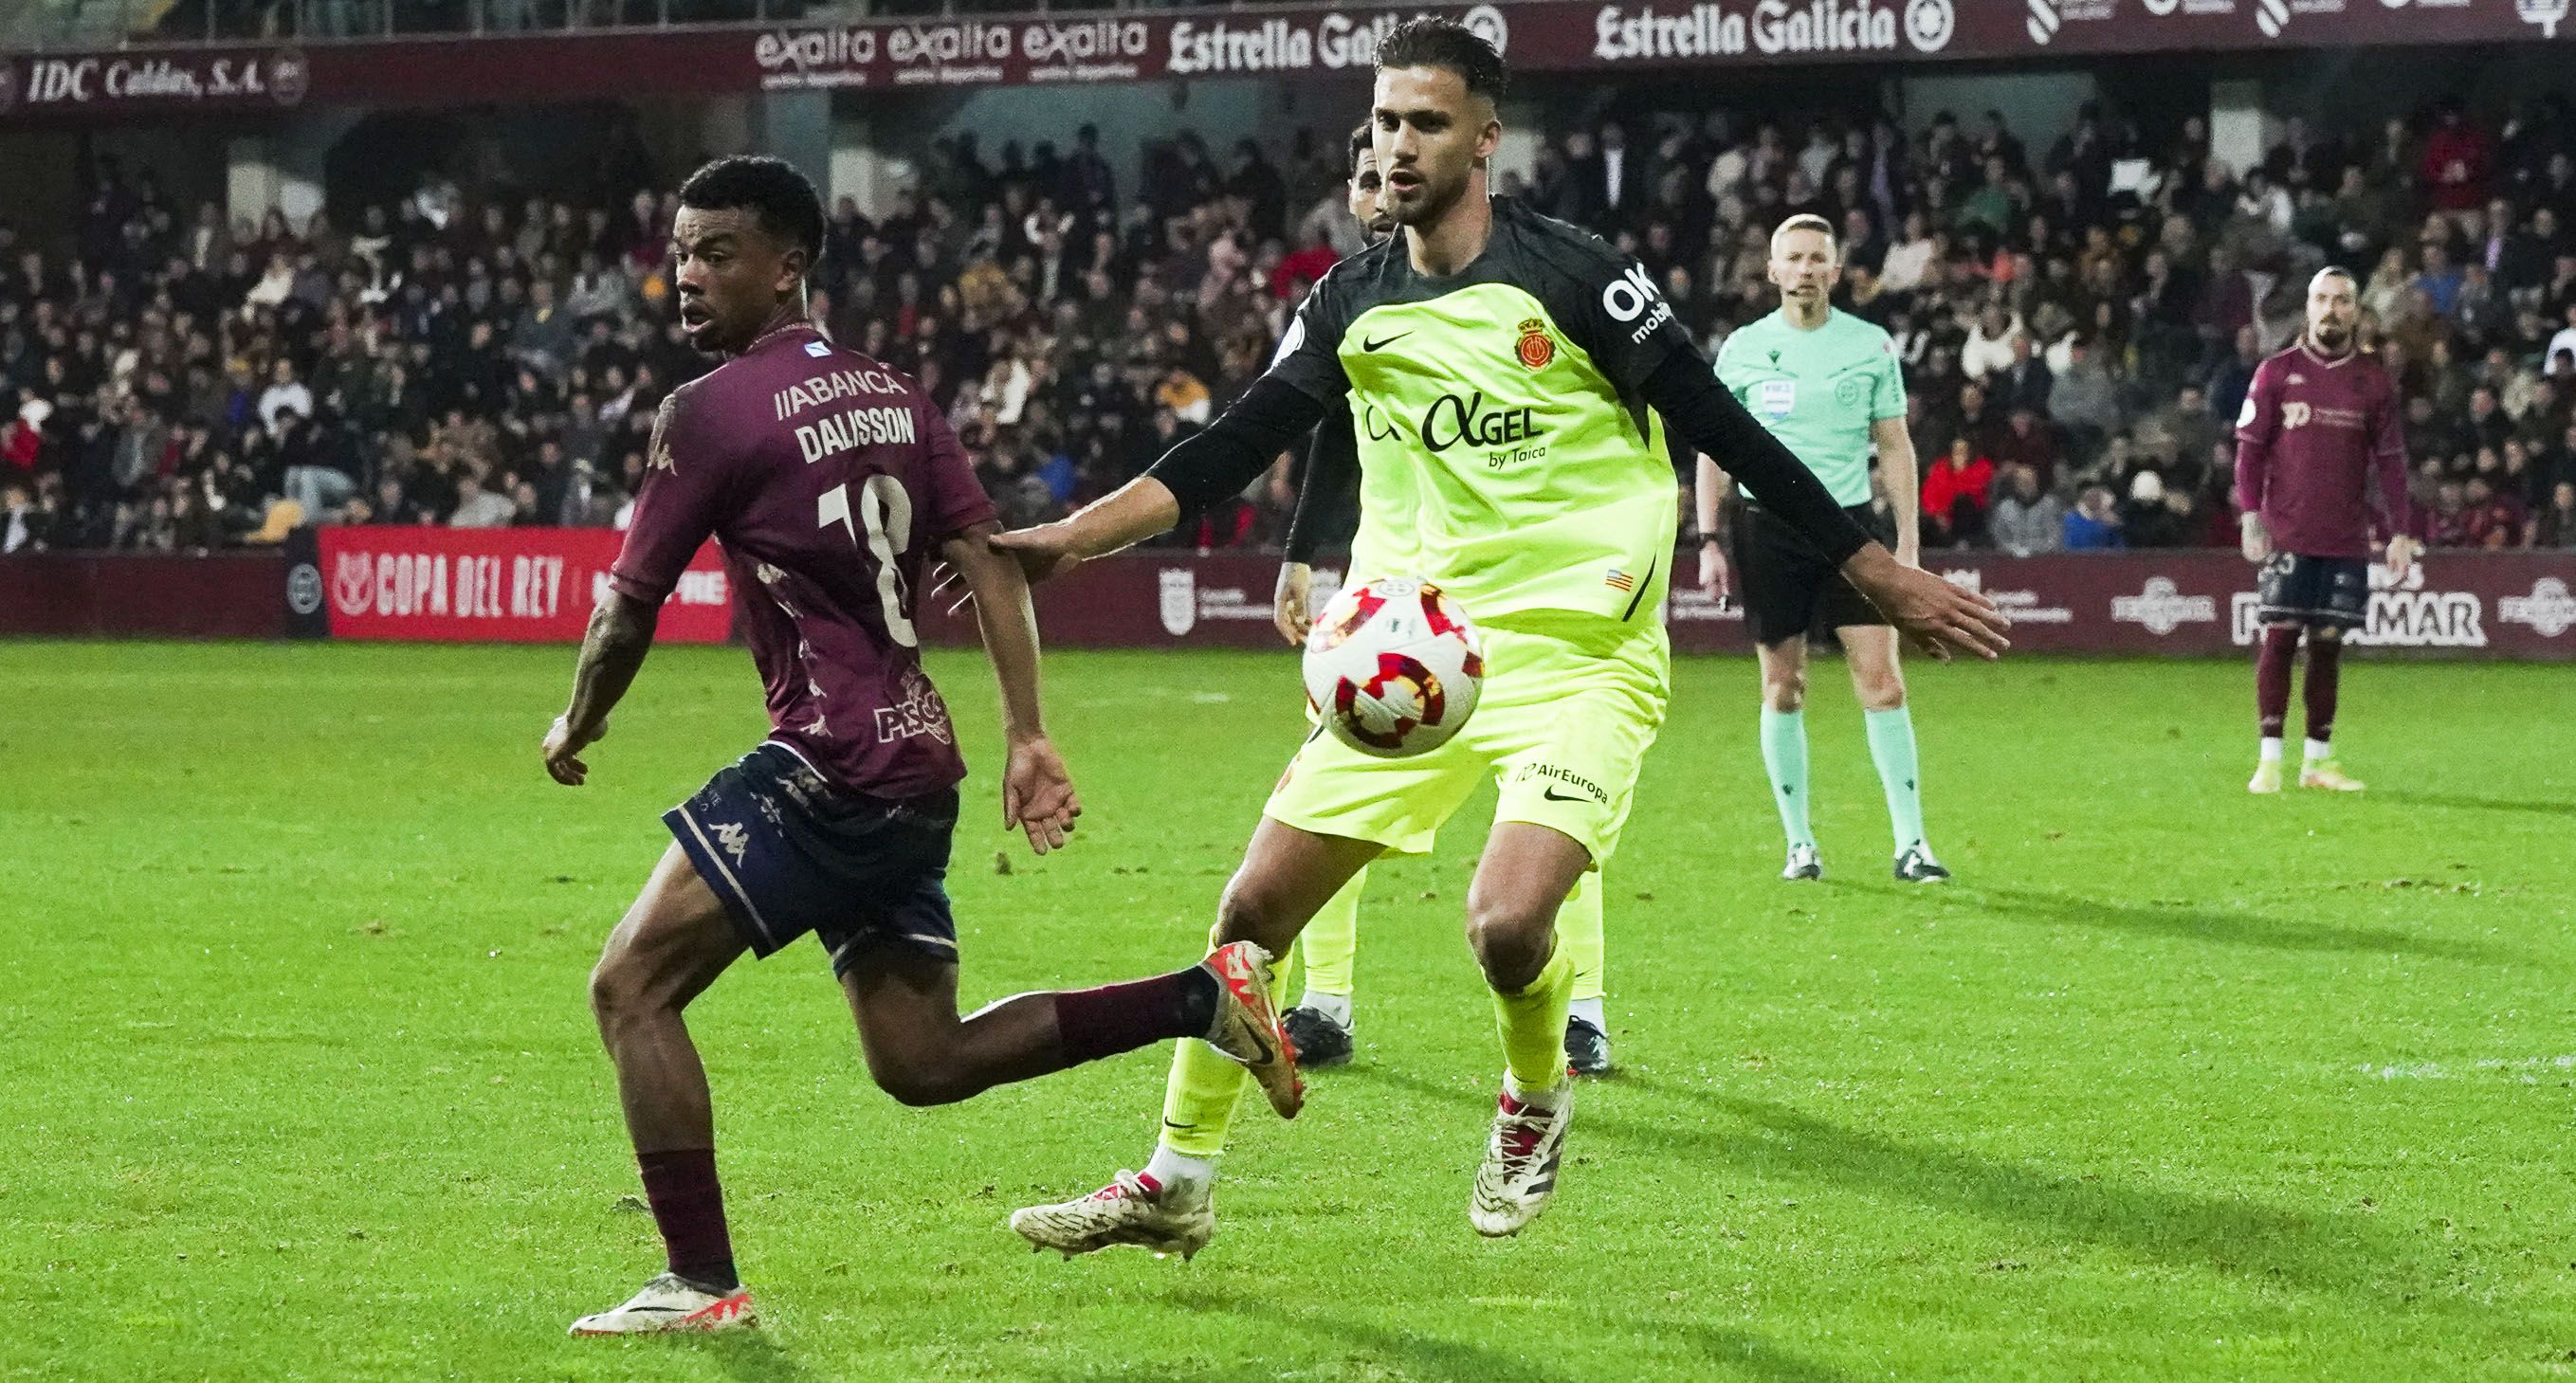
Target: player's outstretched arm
{"type": "Point", "coordinates": [1037, 791]}
{"type": "Point", "coordinates": [1938, 616]}
{"type": "Point", "coordinates": [1190, 478]}
{"type": "Point", "coordinates": [1122, 518]}
{"type": "Point", "coordinates": [620, 634]}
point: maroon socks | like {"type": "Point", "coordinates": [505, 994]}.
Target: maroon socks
{"type": "Point", "coordinates": [689, 1206]}
{"type": "Point", "coordinates": [2280, 649]}
{"type": "Point", "coordinates": [2325, 679]}
{"type": "Point", "coordinates": [1093, 1023]}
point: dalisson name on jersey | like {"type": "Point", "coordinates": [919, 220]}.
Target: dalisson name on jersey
{"type": "Point", "coordinates": [853, 428]}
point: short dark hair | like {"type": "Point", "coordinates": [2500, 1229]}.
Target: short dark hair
{"type": "Point", "coordinates": [782, 198]}
{"type": "Point", "coordinates": [1360, 140]}
{"type": "Point", "coordinates": [1431, 41]}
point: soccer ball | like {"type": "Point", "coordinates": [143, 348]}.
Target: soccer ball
{"type": "Point", "coordinates": [1393, 667]}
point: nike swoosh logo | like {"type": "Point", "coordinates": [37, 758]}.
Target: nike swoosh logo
{"type": "Point", "coordinates": [1179, 1128]}
{"type": "Point", "coordinates": [1553, 795]}
{"type": "Point", "coordinates": [1369, 345]}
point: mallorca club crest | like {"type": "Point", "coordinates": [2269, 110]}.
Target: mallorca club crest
{"type": "Point", "coordinates": [1535, 348]}
{"type": "Point", "coordinates": [1180, 600]}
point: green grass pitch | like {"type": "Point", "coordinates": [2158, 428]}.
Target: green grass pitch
{"type": "Point", "coordinates": [2171, 1084]}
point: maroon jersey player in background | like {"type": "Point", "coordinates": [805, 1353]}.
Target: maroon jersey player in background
{"type": "Point", "coordinates": [830, 480]}
{"type": "Point", "coordinates": [2319, 437]}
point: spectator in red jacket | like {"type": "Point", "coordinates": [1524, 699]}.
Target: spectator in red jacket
{"type": "Point", "coordinates": [1956, 492]}
{"type": "Point", "coordinates": [2457, 162]}
{"type": "Point", "coordinates": [1302, 268]}
{"type": "Point", "coordinates": [24, 437]}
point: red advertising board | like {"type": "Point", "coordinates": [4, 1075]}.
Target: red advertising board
{"type": "Point", "coordinates": [503, 585]}
{"type": "Point", "coordinates": [2155, 604]}
{"type": "Point", "coordinates": [1152, 45]}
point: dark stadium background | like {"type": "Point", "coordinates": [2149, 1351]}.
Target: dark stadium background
{"type": "Point", "coordinates": [237, 296]}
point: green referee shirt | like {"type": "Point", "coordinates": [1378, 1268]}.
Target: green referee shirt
{"type": "Point", "coordinates": [1818, 391]}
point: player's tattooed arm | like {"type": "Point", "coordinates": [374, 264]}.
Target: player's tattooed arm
{"type": "Point", "coordinates": [1037, 791]}
{"type": "Point", "coordinates": [620, 634]}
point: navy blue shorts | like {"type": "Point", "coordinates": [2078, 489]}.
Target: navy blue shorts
{"type": "Point", "coordinates": [789, 853]}
{"type": "Point", "coordinates": [2315, 591]}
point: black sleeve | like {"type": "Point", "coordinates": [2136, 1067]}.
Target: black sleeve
{"type": "Point", "coordinates": [1697, 406]}
{"type": "Point", "coordinates": [1215, 465]}
{"type": "Point", "coordinates": [1328, 500]}
{"type": "Point", "coordinates": [1605, 302]}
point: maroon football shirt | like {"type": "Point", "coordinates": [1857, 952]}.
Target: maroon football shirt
{"type": "Point", "coordinates": [2313, 431]}
{"type": "Point", "coordinates": [829, 479]}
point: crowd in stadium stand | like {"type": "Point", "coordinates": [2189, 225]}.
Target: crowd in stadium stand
{"type": "Point", "coordinates": [2078, 317]}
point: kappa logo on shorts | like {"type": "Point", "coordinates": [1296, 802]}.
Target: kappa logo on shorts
{"type": "Point", "coordinates": [735, 840]}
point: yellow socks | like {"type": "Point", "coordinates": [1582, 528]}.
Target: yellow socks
{"type": "Point", "coordinates": [1198, 1099]}
{"type": "Point", "coordinates": [1533, 1024]}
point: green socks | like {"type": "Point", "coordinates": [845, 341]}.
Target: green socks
{"type": "Point", "coordinates": [1784, 756]}
{"type": "Point", "coordinates": [1891, 746]}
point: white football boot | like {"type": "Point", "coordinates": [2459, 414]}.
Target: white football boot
{"type": "Point", "coordinates": [668, 1304]}
{"type": "Point", "coordinates": [1131, 1209]}
{"type": "Point", "coordinates": [1521, 1154]}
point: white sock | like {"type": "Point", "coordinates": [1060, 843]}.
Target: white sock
{"type": "Point", "coordinates": [1549, 1098]}
{"type": "Point", "coordinates": [2319, 751]}
{"type": "Point", "coordinates": [1334, 1006]}
{"type": "Point", "coordinates": [1169, 1168]}
{"type": "Point", "coordinates": [2271, 749]}
{"type": "Point", "coordinates": [1589, 1010]}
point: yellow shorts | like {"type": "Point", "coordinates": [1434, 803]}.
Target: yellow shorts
{"type": "Point", "coordinates": [1562, 725]}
